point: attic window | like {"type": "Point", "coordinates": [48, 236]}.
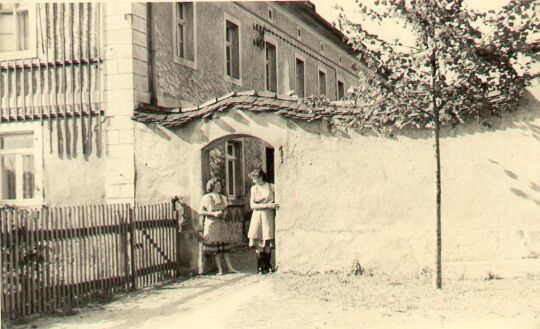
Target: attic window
{"type": "Point", "coordinates": [270, 14]}
{"type": "Point", "coordinates": [298, 32]}
{"type": "Point", "coordinates": [322, 47]}
{"type": "Point", "coordinates": [17, 30]}
{"type": "Point", "coordinates": [340, 60]}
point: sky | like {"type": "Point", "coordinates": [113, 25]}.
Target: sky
{"type": "Point", "coordinates": [390, 31]}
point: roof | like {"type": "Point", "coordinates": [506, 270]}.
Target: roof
{"type": "Point", "coordinates": [252, 100]}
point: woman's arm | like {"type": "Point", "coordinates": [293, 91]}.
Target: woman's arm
{"type": "Point", "coordinates": [257, 206]}
{"type": "Point", "coordinates": [204, 206]}
{"type": "Point", "coordinates": [254, 205]}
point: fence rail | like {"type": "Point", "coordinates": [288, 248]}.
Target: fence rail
{"type": "Point", "coordinates": [57, 258]}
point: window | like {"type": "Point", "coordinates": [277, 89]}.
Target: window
{"type": "Point", "coordinates": [184, 33]}
{"type": "Point", "coordinates": [300, 77]}
{"type": "Point", "coordinates": [340, 60]}
{"type": "Point", "coordinates": [298, 32]}
{"type": "Point", "coordinates": [271, 14]}
{"type": "Point", "coordinates": [322, 83]}
{"type": "Point", "coordinates": [270, 67]}
{"type": "Point", "coordinates": [232, 50]}
{"type": "Point", "coordinates": [322, 47]}
{"type": "Point", "coordinates": [17, 36]}
{"type": "Point", "coordinates": [340, 90]}
{"type": "Point", "coordinates": [17, 170]}
{"type": "Point", "coordinates": [233, 169]}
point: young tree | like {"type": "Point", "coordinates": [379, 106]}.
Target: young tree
{"type": "Point", "coordinates": [463, 65]}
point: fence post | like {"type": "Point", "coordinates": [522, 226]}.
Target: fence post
{"type": "Point", "coordinates": [132, 242]}
{"type": "Point", "coordinates": [178, 210]}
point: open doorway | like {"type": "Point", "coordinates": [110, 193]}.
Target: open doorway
{"type": "Point", "coordinates": [231, 159]}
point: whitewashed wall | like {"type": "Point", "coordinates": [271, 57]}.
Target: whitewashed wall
{"type": "Point", "coordinates": [372, 198]}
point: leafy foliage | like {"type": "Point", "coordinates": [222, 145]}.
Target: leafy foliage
{"type": "Point", "coordinates": [454, 70]}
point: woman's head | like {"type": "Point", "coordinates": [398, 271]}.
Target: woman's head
{"type": "Point", "coordinates": [258, 176]}
{"type": "Point", "coordinates": [213, 185]}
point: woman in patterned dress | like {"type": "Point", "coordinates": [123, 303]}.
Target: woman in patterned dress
{"type": "Point", "coordinates": [262, 224]}
{"type": "Point", "coordinates": [215, 234]}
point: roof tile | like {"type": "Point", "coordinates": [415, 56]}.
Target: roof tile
{"type": "Point", "coordinates": [249, 100]}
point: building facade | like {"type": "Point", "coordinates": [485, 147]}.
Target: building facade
{"type": "Point", "coordinates": [72, 74]}
{"type": "Point", "coordinates": [215, 48]}
{"type": "Point", "coordinates": [135, 102]}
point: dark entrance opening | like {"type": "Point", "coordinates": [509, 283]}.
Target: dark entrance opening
{"type": "Point", "coordinates": [270, 164]}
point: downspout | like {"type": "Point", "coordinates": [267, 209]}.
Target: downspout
{"type": "Point", "coordinates": [150, 66]}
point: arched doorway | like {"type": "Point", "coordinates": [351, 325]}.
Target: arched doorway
{"type": "Point", "coordinates": [231, 159]}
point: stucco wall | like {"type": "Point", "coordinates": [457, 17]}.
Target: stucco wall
{"type": "Point", "coordinates": [177, 84]}
{"type": "Point", "coordinates": [372, 198]}
{"type": "Point", "coordinates": [71, 177]}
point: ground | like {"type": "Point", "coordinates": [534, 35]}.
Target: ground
{"type": "Point", "coordinates": [331, 300]}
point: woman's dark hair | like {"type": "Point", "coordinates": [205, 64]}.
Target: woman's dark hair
{"type": "Point", "coordinates": [259, 173]}
{"type": "Point", "coordinates": [211, 183]}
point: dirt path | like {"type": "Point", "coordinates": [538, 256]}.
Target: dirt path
{"type": "Point", "coordinates": [282, 301]}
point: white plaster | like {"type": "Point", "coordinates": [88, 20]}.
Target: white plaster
{"type": "Point", "coordinates": [373, 198]}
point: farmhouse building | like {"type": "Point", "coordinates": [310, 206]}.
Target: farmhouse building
{"type": "Point", "coordinates": [139, 102]}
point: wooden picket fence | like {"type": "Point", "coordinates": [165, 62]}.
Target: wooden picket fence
{"type": "Point", "coordinates": [61, 257]}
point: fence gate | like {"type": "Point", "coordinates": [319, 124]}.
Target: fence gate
{"type": "Point", "coordinates": [61, 257]}
{"type": "Point", "coordinates": [154, 244]}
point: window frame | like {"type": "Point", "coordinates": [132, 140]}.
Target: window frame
{"type": "Point", "coordinates": [183, 60]}
{"type": "Point", "coordinates": [31, 52]}
{"type": "Point", "coordinates": [237, 194]}
{"type": "Point", "coordinates": [302, 58]}
{"type": "Point", "coordinates": [338, 80]}
{"type": "Point", "coordinates": [36, 151]}
{"type": "Point", "coordinates": [274, 43]}
{"type": "Point", "coordinates": [230, 78]}
{"type": "Point", "coordinates": [323, 70]}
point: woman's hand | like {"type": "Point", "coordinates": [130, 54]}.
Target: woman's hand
{"type": "Point", "coordinates": [217, 214]}
{"type": "Point", "coordinates": [272, 206]}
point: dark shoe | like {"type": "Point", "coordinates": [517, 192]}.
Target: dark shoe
{"type": "Point", "coordinates": [269, 268]}
{"type": "Point", "coordinates": [260, 262]}
{"type": "Point", "coordinates": [264, 257]}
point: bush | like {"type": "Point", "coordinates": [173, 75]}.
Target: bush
{"type": "Point", "coordinates": [356, 268]}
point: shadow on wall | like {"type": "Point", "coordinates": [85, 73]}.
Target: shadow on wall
{"type": "Point", "coordinates": [73, 137]}
{"type": "Point", "coordinates": [522, 118]}
{"type": "Point", "coordinates": [189, 244]}
{"type": "Point", "coordinates": [533, 194]}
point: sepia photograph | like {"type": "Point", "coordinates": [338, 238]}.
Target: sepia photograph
{"type": "Point", "coordinates": [315, 164]}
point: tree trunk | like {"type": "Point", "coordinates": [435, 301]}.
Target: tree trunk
{"type": "Point", "coordinates": [438, 184]}
{"type": "Point", "coordinates": [436, 112]}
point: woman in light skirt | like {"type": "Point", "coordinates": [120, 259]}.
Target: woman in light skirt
{"type": "Point", "coordinates": [216, 233]}
{"type": "Point", "coordinates": [262, 225]}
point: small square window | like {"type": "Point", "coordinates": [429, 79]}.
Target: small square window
{"type": "Point", "coordinates": [322, 83]}
{"type": "Point", "coordinates": [232, 50]}
{"type": "Point", "coordinates": [233, 169]}
{"type": "Point", "coordinates": [340, 90]}
{"type": "Point", "coordinates": [184, 33]}
{"type": "Point", "coordinates": [300, 75]}
{"type": "Point", "coordinates": [17, 167]}
{"type": "Point", "coordinates": [271, 67]}
{"type": "Point", "coordinates": [17, 31]}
